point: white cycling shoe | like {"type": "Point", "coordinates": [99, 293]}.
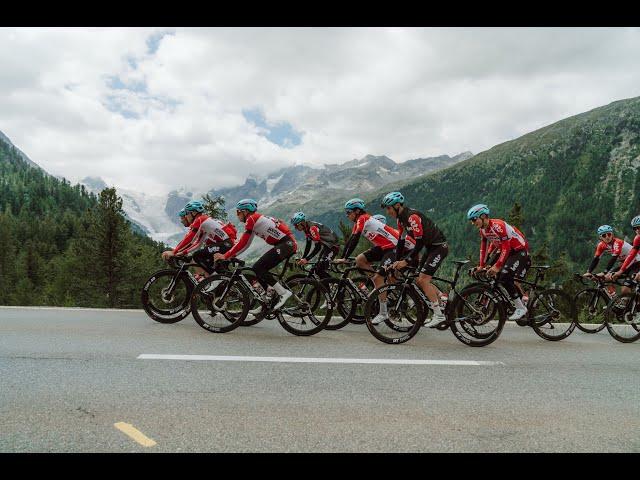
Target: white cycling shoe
{"type": "Point", "coordinates": [283, 299]}
{"type": "Point", "coordinates": [438, 317]}
{"type": "Point", "coordinates": [518, 314]}
{"type": "Point", "coordinates": [378, 319]}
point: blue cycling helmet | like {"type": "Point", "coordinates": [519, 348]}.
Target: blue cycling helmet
{"type": "Point", "coordinates": [604, 229]}
{"type": "Point", "coordinates": [298, 217]}
{"type": "Point", "coordinates": [194, 206]}
{"type": "Point", "coordinates": [380, 218]}
{"type": "Point", "coordinates": [354, 203]}
{"type": "Point", "coordinates": [391, 199]}
{"type": "Point", "coordinates": [635, 222]}
{"type": "Point", "coordinates": [182, 213]}
{"type": "Point", "coordinates": [247, 204]}
{"type": "Point", "coordinates": [477, 210]}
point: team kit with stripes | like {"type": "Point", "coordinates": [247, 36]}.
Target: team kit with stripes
{"type": "Point", "coordinates": [393, 285]}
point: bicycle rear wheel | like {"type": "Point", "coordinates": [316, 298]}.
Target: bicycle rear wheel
{"type": "Point", "coordinates": [365, 284]}
{"type": "Point", "coordinates": [220, 305]}
{"type": "Point", "coordinates": [406, 314]}
{"type": "Point", "coordinates": [552, 314]}
{"type": "Point", "coordinates": [591, 307]}
{"type": "Point", "coordinates": [165, 300]}
{"type": "Point", "coordinates": [478, 316]}
{"type": "Point", "coordinates": [344, 300]}
{"type": "Point", "coordinates": [308, 310]}
{"type": "Point", "coordinates": [623, 317]}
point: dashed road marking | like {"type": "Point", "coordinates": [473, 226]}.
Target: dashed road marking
{"type": "Point", "coordinates": [135, 434]}
{"type": "Point", "coordinates": [381, 361]}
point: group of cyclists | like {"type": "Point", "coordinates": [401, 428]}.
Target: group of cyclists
{"type": "Point", "coordinates": [416, 244]}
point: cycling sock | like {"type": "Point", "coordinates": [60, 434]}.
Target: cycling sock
{"type": "Point", "coordinates": [280, 290]}
{"type": "Point", "coordinates": [383, 307]}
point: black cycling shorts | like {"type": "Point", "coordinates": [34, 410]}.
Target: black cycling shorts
{"type": "Point", "coordinates": [376, 254]}
{"type": "Point", "coordinates": [433, 258]}
{"type": "Point", "coordinates": [204, 256]}
{"type": "Point", "coordinates": [630, 273]}
{"type": "Point", "coordinates": [516, 266]}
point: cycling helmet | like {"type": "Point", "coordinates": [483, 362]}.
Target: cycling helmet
{"type": "Point", "coordinates": [297, 218]}
{"type": "Point", "coordinates": [604, 229]}
{"type": "Point", "coordinates": [194, 206]}
{"type": "Point", "coordinates": [391, 199]}
{"type": "Point", "coordinates": [635, 222]}
{"type": "Point", "coordinates": [477, 210]}
{"type": "Point", "coordinates": [247, 204]}
{"type": "Point", "coordinates": [182, 213]}
{"type": "Point", "coordinates": [354, 203]}
{"type": "Point", "coordinates": [381, 218]}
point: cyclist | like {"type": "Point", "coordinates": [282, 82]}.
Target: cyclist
{"type": "Point", "coordinates": [206, 236]}
{"type": "Point", "coordinates": [513, 262]}
{"type": "Point", "coordinates": [619, 250]}
{"type": "Point", "coordinates": [413, 224]}
{"type": "Point", "coordinates": [631, 265]}
{"type": "Point", "coordinates": [324, 239]}
{"type": "Point", "coordinates": [384, 239]}
{"type": "Point", "coordinates": [273, 231]}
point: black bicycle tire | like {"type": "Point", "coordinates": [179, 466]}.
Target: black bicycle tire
{"type": "Point", "coordinates": [602, 295]}
{"type": "Point", "coordinates": [246, 295]}
{"type": "Point", "coordinates": [408, 290]}
{"type": "Point", "coordinates": [321, 325]}
{"type": "Point", "coordinates": [346, 316]}
{"type": "Point", "coordinates": [608, 320]}
{"type": "Point", "coordinates": [484, 339]}
{"type": "Point", "coordinates": [570, 302]}
{"type": "Point", "coordinates": [158, 315]}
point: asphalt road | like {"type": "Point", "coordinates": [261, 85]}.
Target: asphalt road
{"type": "Point", "coordinates": [69, 376]}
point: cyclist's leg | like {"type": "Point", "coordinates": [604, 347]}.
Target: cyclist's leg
{"type": "Point", "coordinates": [269, 260]}
{"type": "Point", "coordinates": [515, 267]}
{"type": "Point", "coordinates": [326, 255]}
{"type": "Point", "coordinates": [429, 263]}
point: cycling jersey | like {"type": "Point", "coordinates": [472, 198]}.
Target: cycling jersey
{"type": "Point", "coordinates": [321, 236]}
{"type": "Point", "coordinates": [381, 235]}
{"type": "Point", "coordinates": [417, 226]}
{"type": "Point", "coordinates": [506, 237]}
{"type": "Point", "coordinates": [619, 250]}
{"type": "Point", "coordinates": [633, 256]}
{"type": "Point", "coordinates": [271, 230]}
{"type": "Point", "coordinates": [494, 245]}
{"type": "Point", "coordinates": [207, 231]}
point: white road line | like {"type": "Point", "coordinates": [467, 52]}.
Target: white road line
{"type": "Point", "coordinates": [382, 361]}
{"type": "Point", "coordinates": [73, 309]}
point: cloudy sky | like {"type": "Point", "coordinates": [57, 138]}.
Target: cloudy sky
{"type": "Point", "coordinates": [158, 108]}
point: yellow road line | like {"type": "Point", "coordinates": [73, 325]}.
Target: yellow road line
{"type": "Point", "coordinates": [134, 433]}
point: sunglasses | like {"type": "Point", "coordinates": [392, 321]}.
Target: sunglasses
{"type": "Point", "coordinates": [605, 235]}
{"type": "Point", "coordinates": [348, 212]}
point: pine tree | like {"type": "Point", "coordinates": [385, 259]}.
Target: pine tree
{"type": "Point", "coordinates": [214, 207]}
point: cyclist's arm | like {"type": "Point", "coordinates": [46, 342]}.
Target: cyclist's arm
{"type": "Point", "coordinates": [351, 245]}
{"type": "Point", "coordinates": [314, 252]}
{"type": "Point", "coordinates": [307, 247]}
{"type": "Point", "coordinates": [483, 251]}
{"type": "Point", "coordinates": [242, 244]}
{"type": "Point", "coordinates": [629, 260]}
{"type": "Point", "coordinates": [594, 264]}
{"type": "Point", "coordinates": [185, 241]}
{"type": "Point", "coordinates": [611, 263]}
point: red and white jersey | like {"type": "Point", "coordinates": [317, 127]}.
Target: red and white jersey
{"type": "Point", "coordinates": [505, 237]}
{"type": "Point", "coordinates": [207, 231]}
{"type": "Point", "coordinates": [379, 234]}
{"type": "Point", "coordinates": [617, 248]}
{"type": "Point", "coordinates": [271, 230]}
{"type": "Point", "coordinates": [633, 255]}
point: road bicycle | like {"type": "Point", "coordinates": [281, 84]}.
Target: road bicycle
{"type": "Point", "coordinates": [622, 317]}
{"type": "Point", "coordinates": [591, 303]}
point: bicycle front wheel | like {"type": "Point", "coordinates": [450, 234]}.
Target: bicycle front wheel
{"type": "Point", "coordinates": [308, 310]}
{"type": "Point", "coordinates": [591, 307]}
{"type": "Point", "coordinates": [220, 304]}
{"type": "Point", "coordinates": [165, 297]}
{"type": "Point", "coordinates": [623, 317]}
{"type": "Point", "coordinates": [552, 314]}
{"type": "Point", "coordinates": [479, 316]}
{"type": "Point", "coordinates": [405, 314]}
{"type": "Point", "coordinates": [344, 300]}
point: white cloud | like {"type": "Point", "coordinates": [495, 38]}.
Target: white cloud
{"type": "Point", "coordinates": [352, 91]}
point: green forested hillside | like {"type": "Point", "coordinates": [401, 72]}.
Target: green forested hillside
{"type": "Point", "coordinates": [569, 177]}
{"type": "Point", "coordinates": [61, 245]}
